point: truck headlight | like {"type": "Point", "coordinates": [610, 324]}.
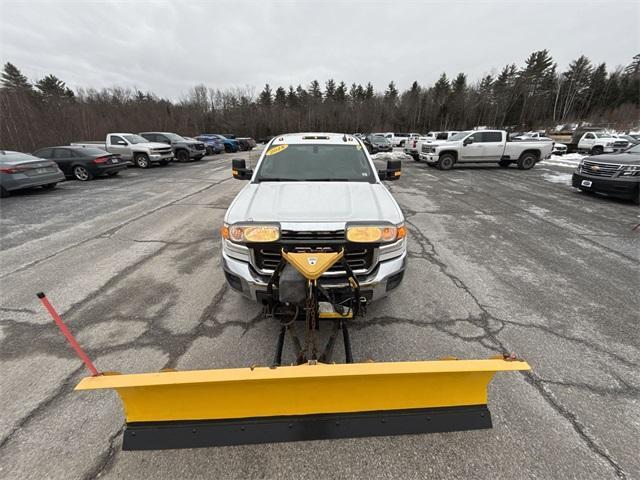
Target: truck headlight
{"type": "Point", "coordinates": [251, 233]}
{"type": "Point", "coordinates": [375, 233]}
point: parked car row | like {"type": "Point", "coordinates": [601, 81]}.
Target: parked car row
{"type": "Point", "coordinates": [86, 160]}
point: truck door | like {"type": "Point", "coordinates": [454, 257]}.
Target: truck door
{"type": "Point", "coordinates": [472, 152]}
{"type": "Point", "coordinates": [587, 141]}
{"type": "Point", "coordinates": [493, 145]}
{"type": "Point", "coordinates": [117, 144]}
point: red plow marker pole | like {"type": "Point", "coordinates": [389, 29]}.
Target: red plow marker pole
{"type": "Point", "coordinates": [69, 336]}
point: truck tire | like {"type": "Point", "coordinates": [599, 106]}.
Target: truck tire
{"type": "Point", "coordinates": [182, 156]}
{"type": "Point", "coordinates": [402, 142]}
{"type": "Point", "coordinates": [446, 162]}
{"type": "Point", "coordinates": [504, 163]}
{"type": "Point", "coordinates": [141, 160]}
{"type": "Point", "coordinates": [416, 157]}
{"type": "Point", "coordinates": [597, 150]}
{"type": "Point", "coordinates": [527, 161]}
{"type": "Point", "coordinates": [81, 173]}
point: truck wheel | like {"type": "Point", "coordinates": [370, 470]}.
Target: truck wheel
{"type": "Point", "coordinates": [182, 156]}
{"type": "Point", "coordinates": [446, 161]}
{"type": "Point", "coordinates": [596, 150]}
{"type": "Point", "coordinates": [401, 143]}
{"type": "Point", "coordinates": [415, 157]}
{"type": "Point", "coordinates": [81, 173]}
{"type": "Point", "coordinates": [504, 163]}
{"type": "Point", "coordinates": [141, 160]}
{"type": "Point", "coordinates": [526, 161]}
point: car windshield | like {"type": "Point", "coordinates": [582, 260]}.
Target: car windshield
{"type": "Point", "coordinates": [635, 149]}
{"type": "Point", "coordinates": [315, 163]}
{"type": "Point", "coordinates": [174, 138]}
{"type": "Point", "coordinates": [17, 157]}
{"type": "Point", "coordinates": [135, 139]}
{"type": "Point", "coordinates": [459, 136]}
{"type": "Point", "coordinates": [90, 151]}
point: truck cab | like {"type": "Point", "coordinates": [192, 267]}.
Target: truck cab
{"type": "Point", "coordinates": [183, 148]}
{"type": "Point", "coordinates": [310, 192]}
{"type": "Point", "coordinates": [597, 143]}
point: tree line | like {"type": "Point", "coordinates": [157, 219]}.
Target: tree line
{"type": "Point", "coordinates": [534, 95]}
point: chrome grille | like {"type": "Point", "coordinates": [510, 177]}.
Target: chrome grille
{"type": "Point", "coordinates": [360, 259]}
{"type": "Point", "coordinates": [428, 148]}
{"type": "Point", "coordinates": [267, 259]}
{"type": "Point", "coordinates": [599, 169]}
{"type": "Point", "coordinates": [199, 146]}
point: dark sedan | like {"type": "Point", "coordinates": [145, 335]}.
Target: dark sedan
{"type": "Point", "coordinates": [84, 163]}
{"type": "Point", "coordinates": [616, 174]}
{"type": "Point", "coordinates": [377, 143]}
{"type": "Point", "coordinates": [19, 170]}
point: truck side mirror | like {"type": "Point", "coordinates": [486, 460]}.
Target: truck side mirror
{"type": "Point", "coordinates": [239, 169]}
{"type": "Point", "coordinates": [467, 141]}
{"type": "Point", "coordinates": [392, 172]}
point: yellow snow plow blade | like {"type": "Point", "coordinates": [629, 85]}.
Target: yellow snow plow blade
{"type": "Point", "coordinates": [305, 402]}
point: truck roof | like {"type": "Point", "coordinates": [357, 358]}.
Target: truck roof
{"type": "Point", "coordinates": [314, 137]}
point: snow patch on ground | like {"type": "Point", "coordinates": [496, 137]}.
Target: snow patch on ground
{"type": "Point", "coordinates": [570, 160]}
{"type": "Point", "coordinates": [395, 155]}
{"type": "Point", "coordinates": [563, 178]}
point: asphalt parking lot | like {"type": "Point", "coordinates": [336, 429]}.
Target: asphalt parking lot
{"type": "Point", "coordinates": [500, 260]}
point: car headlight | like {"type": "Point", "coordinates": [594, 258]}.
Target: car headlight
{"type": "Point", "coordinates": [376, 233]}
{"type": "Point", "coordinates": [251, 233]}
{"type": "Point", "coordinates": [630, 170]}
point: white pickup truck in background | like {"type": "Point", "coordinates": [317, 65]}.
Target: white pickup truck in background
{"type": "Point", "coordinates": [485, 146]}
{"type": "Point", "coordinates": [414, 145]}
{"type": "Point", "coordinates": [134, 148]}
{"type": "Point", "coordinates": [597, 143]}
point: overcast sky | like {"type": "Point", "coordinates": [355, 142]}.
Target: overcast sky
{"type": "Point", "coordinates": [169, 46]}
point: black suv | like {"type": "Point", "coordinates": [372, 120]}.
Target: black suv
{"type": "Point", "coordinates": [616, 174]}
{"type": "Point", "coordinates": [183, 149]}
{"type": "Point", "coordinates": [377, 143]}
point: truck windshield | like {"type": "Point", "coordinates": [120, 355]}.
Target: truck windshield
{"type": "Point", "coordinates": [135, 139]}
{"type": "Point", "coordinates": [315, 163]}
{"type": "Point", "coordinates": [459, 136]}
{"type": "Point", "coordinates": [174, 138]}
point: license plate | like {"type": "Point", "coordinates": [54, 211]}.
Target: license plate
{"type": "Point", "coordinates": [586, 183]}
{"type": "Point", "coordinates": [114, 160]}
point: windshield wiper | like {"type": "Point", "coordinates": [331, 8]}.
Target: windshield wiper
{"type": "Point", "coordinates": [327, 180]}
{"type": "Point", "coordinates": [278, 179]}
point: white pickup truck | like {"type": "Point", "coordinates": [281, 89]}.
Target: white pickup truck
{"type": "Point", "coordinates": [414, 146]}
{"type": "Point", "coordinates": [135, 148]}
{"type": "Point", "coordinates": [597, 143]}
{"type": "Point", "coordinates": [485, 146]}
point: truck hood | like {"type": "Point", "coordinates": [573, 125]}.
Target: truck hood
{"type": "Point", "coordinates": [624, 158]}
{"type": "Point", "coordinates": [314, 202]}
{"type": "Point", "coordinates": [151, 145]}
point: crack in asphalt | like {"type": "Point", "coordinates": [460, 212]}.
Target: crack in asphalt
{"type": "Point", "coordinates": [429, 253]}
{"type": "Point", "coordinates": [111, 231]}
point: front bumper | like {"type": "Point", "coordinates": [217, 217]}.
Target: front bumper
{"type": "Point", "coordinates": [619, 187]}
{"type": "Point", "coordinates": [429, 157]}
{"type": "Point", "coordinates": [385, 277]}
{"type": "Point", "coordinates": [157, 157]}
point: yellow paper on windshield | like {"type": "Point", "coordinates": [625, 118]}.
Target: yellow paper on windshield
{"type": "Point", "coordinates": [276, 150]}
